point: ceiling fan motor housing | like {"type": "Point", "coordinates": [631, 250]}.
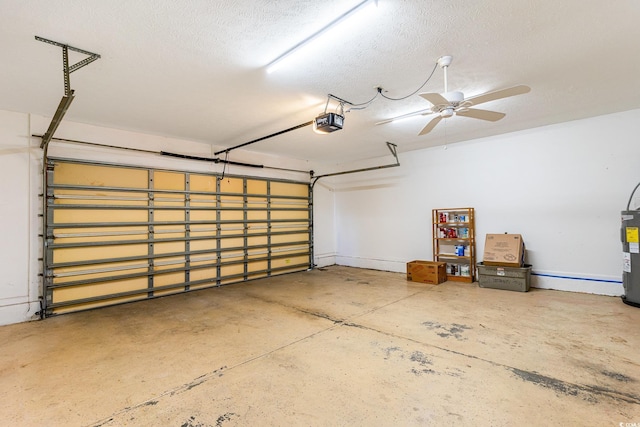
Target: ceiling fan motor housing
{"type": "Point", "coordinates": [454, 97]}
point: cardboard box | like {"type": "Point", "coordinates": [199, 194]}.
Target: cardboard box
{"type": "Point", "coordinates": [427, 272]}
{"type": "Point", "coordinates": [507, 278]}
{"type": "Point", "coordinates": [504, 250]}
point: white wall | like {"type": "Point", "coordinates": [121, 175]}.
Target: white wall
{"type": "Point", "coordinates": [562, 187]}
{"type": "Point", "coordinates": [21, 185]}
{"type": "Point", "coordinates": [324, 225]}
{"type": "Point", "coordinates": [19, 281]}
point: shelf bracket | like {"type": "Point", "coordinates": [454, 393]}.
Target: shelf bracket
{"type": "Point", "coordinates": [68, 92]}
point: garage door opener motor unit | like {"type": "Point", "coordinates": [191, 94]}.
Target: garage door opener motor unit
{"type": "Point", "coordinates": [328, 122]}
{"type": "Point", "coordinates": [631, 253]}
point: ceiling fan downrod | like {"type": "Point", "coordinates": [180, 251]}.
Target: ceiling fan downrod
{"type": "Point", "coordinates": [444, 62]}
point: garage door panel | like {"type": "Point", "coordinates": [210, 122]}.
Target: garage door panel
{"type": "Point", "coordinates": [199, 230]}
{"type": "Point", "coordinates": [199, 204]}
{"type": "Point", "coordinates": [168, 215]}
{"type": "Point", "coordinates": [202, 245]}
{"type": "Point", "coordinates": [206, 259]}
{"type": "Point", "coordinates": [97, 193]}
{"type": "Point", "coordinates": [290, 262]}
{"type": "Point", "coordinates": [289, 189]}
{"type": "Point", "coordinates": [203, 183]}
{"type": "Point", "coordinates": [102, 234]}
{"type": "Point", "coordinates": [230, 230]}
{"type": "Point", "coordinates": [257, 241]}
{"type": "Point", "coordinates": [97, 237]}
{"type": "Point", "coordinates": [85, 216]}
{"type": "Point", "coordinates": [204, 274]}
{"type": "Point", "coordinates": [231, 185]}
{"type": "Point", "coordinates": [164, 180]}
{"type": "Point", "coordinates": [164, 279]}
{"type": "Point", "coordinates": [103, 289]}
{"type": "Point", "coordinates": [95, 196]}
{"type": "Point", "coordinates": [258, 228]}
{"type": "Point", "coordinates": [169, 263]}
{"type": "Point", "coordinates": [292, 228]}
{"type": "Point", "coordinates": [98, 253]}
{"type": "Point", "coordinates": [91, 200]}
{"type": "Point", "coordinates": [77, 270]}
{"type": "Point", "coordinates": [231, 243]}
{"type": "Point", "coordinates": [231, 270]}
{"type": "Point", "coordinates": [96, 275]}
{"type": "Point", "coordinates": [101, 176]}
{"type": "Point", "coordinates": [166, 292]}
{"type": "Point", "coordinates": [107, 301]}
{"type": "Point", "coordinates": [290, 215]}
{"type": "Point", "coordinates": [257, 215]}
{"type": "Point", "coordinates": [204, 215]}
{"type": "Point", "coordinates": [257, 266]}
{"type": "Point", "coordinates": [231, 257]}
{"type": "Point", "coordinates": [256, 186]}
{"type": "Point", "coordinates": [168, 247]}
{"type": "Point", "coordinates": [297, 237]}
{"type": "Point", "coordinates": [119, 233]}
{"type": "Point", "coordinates": [168, 205]}
{"type": "Point", "coordinates": [167, 234]}
{"type": "Point", "coordinates": [232, 215]}
{"type": "Point", "coordinates": [168, 230]}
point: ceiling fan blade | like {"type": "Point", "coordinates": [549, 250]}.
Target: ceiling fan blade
{"type": "Point", "coordinates": [474, 113]}
{"type": "Point", "coordinates": [406, 116]}
{"type": "Point", "coordinates": [429, 127]}
{"type": "Point", "coordinates": [498, 94]}
{"type": "Point", "coordinates": [435, 98]}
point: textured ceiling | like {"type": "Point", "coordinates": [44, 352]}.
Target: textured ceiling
{"type": "Point", "coordinates": [196, 69]}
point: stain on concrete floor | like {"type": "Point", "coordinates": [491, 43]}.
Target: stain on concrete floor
{"type": "Point", "coordinates": [315, 349]}
{"type": "Point", "coordinates": [455, 330]}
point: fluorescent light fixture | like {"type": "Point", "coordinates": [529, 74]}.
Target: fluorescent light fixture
{"type": "Point", "coordinates": [275, 64]}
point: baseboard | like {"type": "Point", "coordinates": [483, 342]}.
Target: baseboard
{"type": "Point", "coordinates": [17, 313]}
{"type": "Point", "coordinates": [324, 260]}
{"type": "Point", "coordinates": [574, 283]}
{"type": "Point", "coordinates": [610, 286]}
{"type": "Point", "coordinates": [372, 264]}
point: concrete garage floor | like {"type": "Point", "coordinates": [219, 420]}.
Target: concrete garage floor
{"type": "Point", "coordinates": [330, 347]}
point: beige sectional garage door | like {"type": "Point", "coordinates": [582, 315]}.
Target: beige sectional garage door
{"type": "Point", "coordinates": [116, 233]}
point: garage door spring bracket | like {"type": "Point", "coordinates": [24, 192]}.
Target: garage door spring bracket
{"type": "Point", "coordinates": [68, 92]}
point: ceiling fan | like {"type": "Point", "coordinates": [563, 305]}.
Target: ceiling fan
{"type": "Point", "coordinates": [454, 103]}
